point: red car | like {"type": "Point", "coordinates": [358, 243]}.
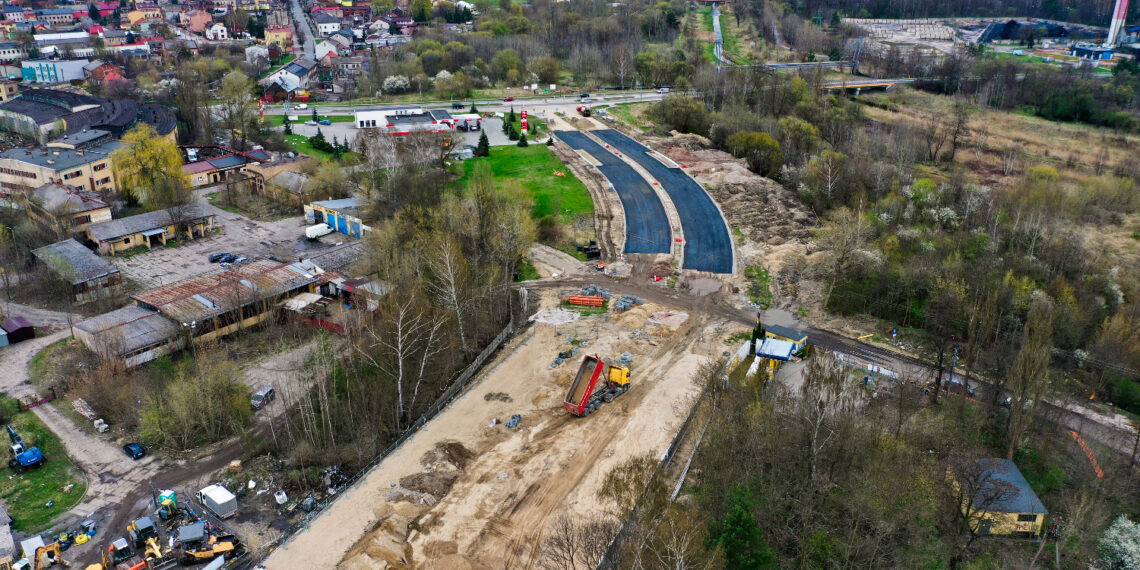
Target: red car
{"type": "Point", "coordinates": [509, 99]}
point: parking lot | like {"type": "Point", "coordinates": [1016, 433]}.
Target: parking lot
{"type": "Point", "coordinates": [239, 235]}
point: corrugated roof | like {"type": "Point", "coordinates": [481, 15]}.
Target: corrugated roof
{"type": "Point", "coordinates": [785, 332]}
{"type": "Point", "coordinates": [224, 289]}
{"type": "Point", "coordinates": [129, 328]}
{"type": "Point", "coordinates": [336, 258]}
{"type": "Point", "coordinates": [130, 225]}
{"type": "Point", "coordinates": [1024, 500]}
{"type": "Point", "coordinates": [340, 204]}
{"type": "Point", "coordinates": [73, 262]}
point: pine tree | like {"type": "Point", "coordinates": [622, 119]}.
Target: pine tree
{"type": "Point", "coordinates": [314, 113]}
{"type": "Point", "coordinates": [522, 140]}
{"type": "Point", "coordinates": [512, 133]}
{"type": "Point", "coordinates": [288, 126]}
{"type": "Point", "coordinates": [739, 534]}
{"type": "Point", "coordinates": [473, 109]}
{"type": "Point", "coordinates": [319, 136]}
{"type": "Point", "coordinates": [484, 146]}
{"type": "Point", "coordinates": [511, 118]}
{"type": "Point", "coordinates": [550, 141]}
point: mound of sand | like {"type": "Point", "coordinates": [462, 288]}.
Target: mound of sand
{"type": "Point", "coordinates": [668, 318]}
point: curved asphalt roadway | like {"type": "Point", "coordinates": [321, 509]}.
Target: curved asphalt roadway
{"type": "Point", "coordinates": [646, 225]}
{"type": "Point", "coordinates": [708, 247]}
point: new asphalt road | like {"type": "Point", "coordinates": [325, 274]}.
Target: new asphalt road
{"type": "Point", "coordinates": [646, 225]}
{"type": "Point", "coordinates": [708, 246]}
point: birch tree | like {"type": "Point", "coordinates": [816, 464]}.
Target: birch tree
{"type": "Point", "coordinates": [1029, 376]}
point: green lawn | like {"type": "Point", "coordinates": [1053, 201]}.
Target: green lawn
{"type": "Point", "coordinates": [306, 115]}
{"type": "Point", "coordinates": [28, 494]}
{"type": "Point", "coordinates": [534, 168]}
{"type": "Point", "coordinates": [301, 144]}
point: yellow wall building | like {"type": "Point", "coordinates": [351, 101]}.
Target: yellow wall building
{"type": "Point", "coordinates": [1003, 503]}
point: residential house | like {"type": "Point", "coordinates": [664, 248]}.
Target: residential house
{"type": "Point", "coordinates": [343, 39]}
{"type": "Point", "coordinates": [334, 11]}
{"type": "Point", "coordinates": [98, 70]}
{"type": "Point", "coordinates": [56, 16]}
{"type": "Point", "coordinates": [326, 49]}
{"type": "Point", "coordinates": [296, 73]}
{"type": "Point", "coordinates": [342, 215]}
{"type": "Point", "coordinates": [89, 275]}
{"type": "Point", "coordinates": [327, 24]}
{"type": "Point", "coordinates": [348, 66]}
{"type": "Point", "coordinates": [14, 14]}
{"type": "Point", "coordinates": [67, 210]}
{"type": "Point", "coordinates": [197, 20]}
{"type": "Point", "coordinates": [280, 35]}
{"type": "Point", "coordinates": [87, 169]}
{"type": "Point", "coordinates": [11, 51]}
{"type": "Point", "coordinates": [1003, 503]}
{"type": "Point", "coordinates": [150, 229]}
{"type": "Point", "coordinates": [113, 38]}
{"type": "Point", "coordinates": [217, 32]}
{"type": "Point", "coordinates": [8, 90]}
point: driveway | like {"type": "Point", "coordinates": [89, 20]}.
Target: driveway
{"type": "Point", "coordinates": [240, 236]}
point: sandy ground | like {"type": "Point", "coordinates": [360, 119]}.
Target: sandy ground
{"type": "Point", "coordinates": [518, 480]}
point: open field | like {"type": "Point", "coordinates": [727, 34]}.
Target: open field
{"type": "Point", "coordinates": [534, 167]}
{"type": "Point", "coordinates": [483, 494]}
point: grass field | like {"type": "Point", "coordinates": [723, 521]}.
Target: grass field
{"type": "Point", "coordinates": [534, 168]}
{"type": "Point", "coordinates": [301, 144]}
{"type": "Point", "coordinates": [306, 115]}
{"type": "Point", "coordinates": [27, 495]}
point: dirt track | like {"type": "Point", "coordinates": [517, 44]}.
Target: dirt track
{"type": "Point", "coordinates": [518, 480]}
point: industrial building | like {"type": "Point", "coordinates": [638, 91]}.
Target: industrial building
{"type": "Point", "coordinates": [132, 334]}
{"type": "Point", "coordinates": [404, 120]}
{"type": "Point", "coordinates": [344, 215]}
{"type": "Point", "coordinates": [52, 71]}
{"type": "Point", "coordinates": [88, 169]}
{"type": "Point", "coordinates": [91, 277]}
{"type": "Point", "coordinates": [150, 229]}
{"type": "Point", "coordinates": [66, 209]}
{"type": "Point", "coordinates": [202, 308]}
{"type": "Point", "coordinates": [45, 114]}
{"type": "Point", "coordinates": [208, 171]}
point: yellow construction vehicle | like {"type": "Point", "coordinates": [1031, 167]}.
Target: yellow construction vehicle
{"type": "Point", "coordinates": [49, 555]}
{"type": "Point", "coordinates": [213, 548]}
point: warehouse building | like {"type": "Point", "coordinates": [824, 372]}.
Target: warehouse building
{"type": "Point", "coordinates": [89, 169]}
{"type": "Point", "coordinates": [150, 229]}
{"type": "Point", "coordinates": [90, 276]}
{"type": "Point", "coordinates": [132, 334]}
{"type": "Point", "coordinates": [344, 215]}
{"type": "Point", "coordinates": [66, 209]}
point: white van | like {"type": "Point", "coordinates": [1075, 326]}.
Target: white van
{"type": "Point", "coordinates": [318, 230]}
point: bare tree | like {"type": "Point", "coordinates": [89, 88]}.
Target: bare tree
{"type": "Point", "coordinates": [1029, 376]}
{"type": "Point", "coordinates": [977, 489]}
{"type": "Point", "coordinates": [576, 543]}
{"type": "Point", "coordinates": [959, 126]}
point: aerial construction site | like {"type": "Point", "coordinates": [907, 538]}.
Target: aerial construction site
{"type": "Point", "coordinates": [478, 486]}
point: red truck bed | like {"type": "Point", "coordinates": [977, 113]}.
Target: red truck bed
{"type": "Point", "coordinates": [583, 386]}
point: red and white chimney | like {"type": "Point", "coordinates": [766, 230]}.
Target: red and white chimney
{"type": "Point", "coordinates": [1117, 25]}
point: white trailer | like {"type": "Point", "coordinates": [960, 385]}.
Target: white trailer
{"type": "Point", "coordinates": [219, 501]}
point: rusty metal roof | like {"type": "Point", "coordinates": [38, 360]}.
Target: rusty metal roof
{"type": "Point", "coordinates": [224, 289]}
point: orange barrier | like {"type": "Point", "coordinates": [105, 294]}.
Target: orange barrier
{"type": "Point", "coordinates": [586, 300]}
{"type": "Point", "coordinates": [1089, 453]}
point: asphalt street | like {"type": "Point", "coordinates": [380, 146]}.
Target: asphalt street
{"type": "Point", "coordinates": [646, 225]}
{"type": "Point", "coordinates": [708, 246]}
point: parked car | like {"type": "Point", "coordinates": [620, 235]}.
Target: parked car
{"type": "Point", "coordinates": [324, 122]}
{"type": "Point", "coordinates": [311, 123]}
{"type": "Point", "coordinates": [262, 396]}
{"type": "Point", "coordinates": [508, 99]}
{"type": "Point", "coordinates": [663, 90]}
{"type": "Point", "coordinates": [241, 259]}
{"type": "Point", "coordinates": [584, 96]}
{"type": "Point", "coordinates": [586, 100]}
{"type": "Point", "coordinates": [216, 257]}
{"type": "Point", "coordinates": [302, 106]}
{"type": "Point", "coordinates": [134, 451]}
{"type": "Point", "coordinates": [457, 105]}
{"type": "Point", "coordinates": [227, 258]}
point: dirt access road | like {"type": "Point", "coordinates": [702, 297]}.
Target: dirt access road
{"type": "Point", "coordinates": [513, 482]}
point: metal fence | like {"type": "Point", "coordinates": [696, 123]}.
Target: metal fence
{"type": "Point", "coordinates": [612, 557]}
{"type": "Point", "coordinates": [461, 383]}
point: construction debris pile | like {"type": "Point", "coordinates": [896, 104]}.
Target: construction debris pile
{"type": "Point", "coordinates": [627, 302]}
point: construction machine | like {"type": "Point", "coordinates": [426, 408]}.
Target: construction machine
{"type": "Point", "coordinates": [200, 546]}
{"type": "Point", "coordinates": [140, 530]}
{"type": "Point", "coordinates": [23, 457]}
{"type": "Point", "coordinates": [595, 383]}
